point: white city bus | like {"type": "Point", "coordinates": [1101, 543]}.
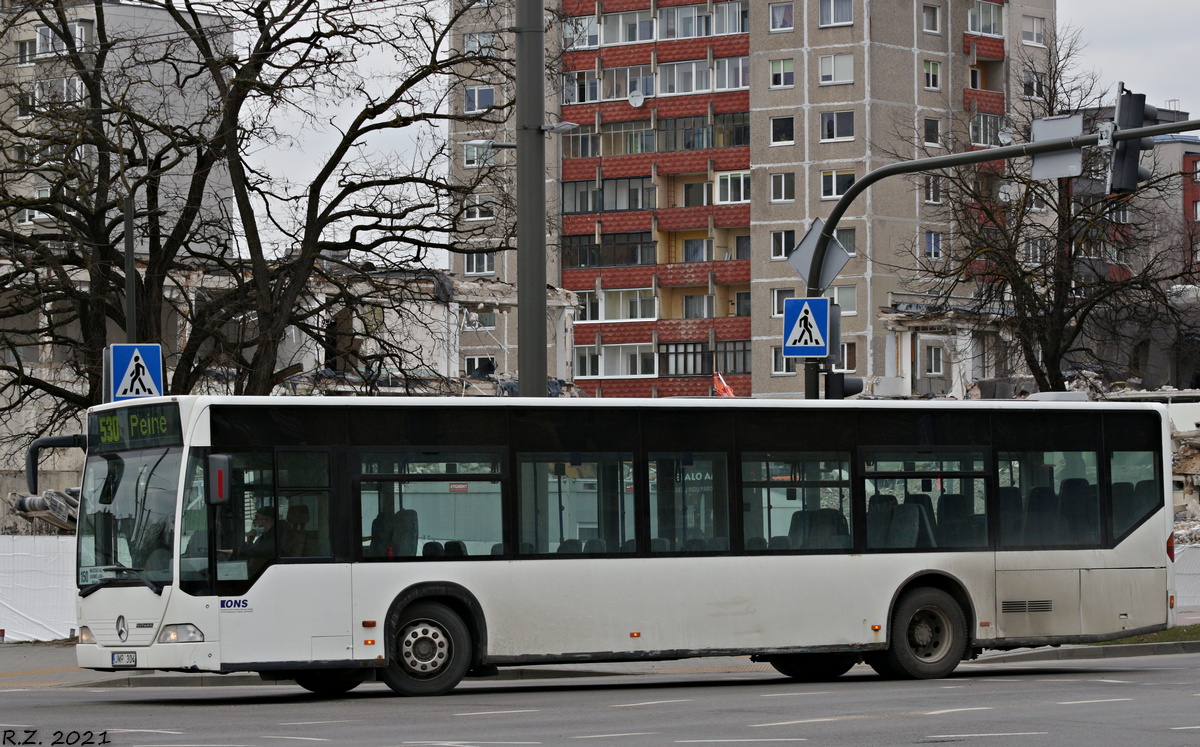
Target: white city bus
{"type": "Point", "coordinates": [417, 540]}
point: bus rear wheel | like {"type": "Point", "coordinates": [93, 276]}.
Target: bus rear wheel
{"type": "Point", "coordinates": [431, 652]}
{"type": "Point", "coordinates": [928, 637]}
{"type": "Point", "coordinates": [814, 667]}
{"type": "Point", "coordinates": [325, 682]}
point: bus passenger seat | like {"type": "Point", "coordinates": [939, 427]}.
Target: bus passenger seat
{"type": "Point", "coordinates": [456, 548]}
{"type": "Point", "coordinates": [695, 544]}
{"type": "Point", "coordinates": [660, 544]}
{"type": "Point", "coordinates": [1080, 511]}
{"type": "Point", "coordinates": [954, 521]}
{"type": "Point", "coordinates": [926, 504]}
{"type": "Point", "coordinates": [1043, 524]}
{"type": "Point", "coordinates": [629, 545]}
{"type": "Point", "coordinates": [718, 544]}
{"type": "Point", "coordinates": [570, 546]}
{"type": "Point", "coordinates": [498, 548]}
{"type": "Point", "coordinates": [779, 542]}
{"type": "Point", "coordinates": [403, 542]}
{"type": "Point", "coordinates": [595, 545]}
{"type": "Point", "coordinates": [1012, 515]}
{"type": "Point", "coordinates": [756, 544]}
{"type": "Point", "coordinates": [432, 548]}
{"type": "Point", "coordinates": [879, 520]}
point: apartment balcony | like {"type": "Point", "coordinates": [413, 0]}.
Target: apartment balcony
{"type": "Point", "coordinates": [696, 217]}
{"type": "Point", "coordinates": [983, 102]}
{"type": "Point", "coordinates": [674, 275]}
{"type": "Point", "coordinates": [981, 47]}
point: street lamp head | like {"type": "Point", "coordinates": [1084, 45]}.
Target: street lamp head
{"type": "Point", "coordinates": [560, 128]}
{"type": "Point", "coordinates": [492, 144]}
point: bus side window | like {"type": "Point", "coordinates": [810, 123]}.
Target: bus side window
{"type": "Point", "coordinates": [576, 503]}
{"type": "Point", "coordinates": [1136, 489]}
{"type": "Point", "coordinates": [689, 507]}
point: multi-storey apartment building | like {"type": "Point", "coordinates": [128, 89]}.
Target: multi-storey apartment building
{"type": "Point", "coordinates": [712, 134]}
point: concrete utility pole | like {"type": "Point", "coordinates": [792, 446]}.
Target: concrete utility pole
{"type": "Point", "coordinates": [530, 118]}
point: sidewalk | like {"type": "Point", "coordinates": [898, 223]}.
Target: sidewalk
{"type": "Point", "coordinates": [25, 665]}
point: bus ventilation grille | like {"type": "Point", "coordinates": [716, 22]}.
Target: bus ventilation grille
{"type": "Point", "coordinates": [1035, 605]}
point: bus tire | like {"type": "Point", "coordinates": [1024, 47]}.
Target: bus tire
{"type": "Point", "coordinates": [431, 652]}
{"type": "Point", "coordinates": [325, 682]}
{"type": "Point", "coordinates": [928, 637]}
{"type": "Point", "coordinates": [814, 667]}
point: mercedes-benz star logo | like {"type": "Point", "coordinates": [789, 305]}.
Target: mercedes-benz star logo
{"type": "Point", "coordinates": [122, 629]}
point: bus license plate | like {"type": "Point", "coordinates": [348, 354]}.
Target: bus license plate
{"type": "Point", "coordinates": [125, 660]}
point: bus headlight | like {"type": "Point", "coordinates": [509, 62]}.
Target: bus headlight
{"type": "Point", "coordinates": [85, 634]}
{"type": "Point", "coordinates": [180, 633]}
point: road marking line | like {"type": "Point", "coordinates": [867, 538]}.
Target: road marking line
{"type": "Point", "coordinates": [1004, 734]}
{"type": "Point", "coordinates": [1118, 682]}
{"type": "Point", "coordinates": [18, 726]}
{"type": "Point", "coordinates": [1085, 702]}
{"type": "Point", "coordinates": [650, 702]}
{"type": "Point", "coordinates": [958, 710]}
{"type": "Point", "coordinates": [784, 695]}
{"type": "Point", "coordinates": [627, 734]}
{"type": "Point", "coordinates": [497, 713]}
{"type": "Point", "coordinates": [144, 731]}
{"type": "Point", "coordinates": [300, 739]}
{"type": "Point", "coordinates": [460, 743]}
{"type": "Point", "coordinates": [727, 741]}
{"type": "Point", "coordinates": [805, 721]}
{"type": "Point", "coordinates": [1076, 680]}
{"type": "Point", "coordinates": [310, 723]}
{"type": "Point", "coordinates": [1182, 728]}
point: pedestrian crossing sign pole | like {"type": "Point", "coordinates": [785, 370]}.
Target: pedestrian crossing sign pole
{"type": "Point", "coordinates": [806, 327]}
{"type": "Point", "coordinates": [133, 371]}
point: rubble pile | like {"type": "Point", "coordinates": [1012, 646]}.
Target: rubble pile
{"type": "Point", "coordinates": [1187, 532]}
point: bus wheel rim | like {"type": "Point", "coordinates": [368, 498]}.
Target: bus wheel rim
{"type": "Point", "coordinates": [930, 634]}
{"type": "Point", "coordinates": [425, 648]}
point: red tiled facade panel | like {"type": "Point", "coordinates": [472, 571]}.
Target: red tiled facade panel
{"type": "Point", "coordinates": [987, 102]}
{"type": "Point", "coordinates": [675, 386]}
{"type": "Point", "coordinates": [986, 47]}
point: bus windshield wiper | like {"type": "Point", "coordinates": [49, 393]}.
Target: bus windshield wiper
{"type": "Point", "coordinates": [155, 587]}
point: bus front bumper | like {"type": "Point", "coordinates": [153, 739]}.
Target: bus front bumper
{"type": "Point", "coordinates": [180, 657]}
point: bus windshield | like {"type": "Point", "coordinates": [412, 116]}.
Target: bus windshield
{"type": "Point", "coordinates": [127, 517]}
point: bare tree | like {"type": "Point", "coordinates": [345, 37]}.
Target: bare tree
{"type": "Point", "coordinates": [1075, 277]}
{"type": "Point", "coordinates": [289, 168]}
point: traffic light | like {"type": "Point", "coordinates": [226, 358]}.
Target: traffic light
{"type": "Point", "coordinates": [840, 386]}
{"type": "Point", "coordinates": [1126, 170]}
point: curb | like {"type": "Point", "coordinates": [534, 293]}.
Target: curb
{"type": "Point", "coordinates": [244, 680]}
{"type": "Point", "coordinates": [1068, 653]}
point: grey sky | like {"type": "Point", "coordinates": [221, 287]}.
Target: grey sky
{"type": "Point", "coordinates": [1152, 45]}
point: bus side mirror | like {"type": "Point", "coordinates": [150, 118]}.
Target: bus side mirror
{"type": "Point", "coordinates": [220, 473]}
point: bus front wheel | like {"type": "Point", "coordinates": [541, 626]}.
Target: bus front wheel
{"type": "Point", "coordinates": [814, 667]}
{"type": "Point", "coordinates": [431, 652]}
{"type": "Point", "coordinates": [928, 637]}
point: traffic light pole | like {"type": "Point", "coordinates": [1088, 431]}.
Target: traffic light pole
{"type": "Point", "coordinates": [530, 117]}
{"type": "Point", "coordinates": [812, 368]}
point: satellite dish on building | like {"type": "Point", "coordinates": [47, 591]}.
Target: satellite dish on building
{"type": "Point", "coordinates": [636, 99]}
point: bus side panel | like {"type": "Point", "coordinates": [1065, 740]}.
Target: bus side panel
{"type": "Point", "coordinates": [1115, 599]}
{"type": "Point", "coordinates": [554, 607]}
{"type": "Point", "coordinates": [293, 613]}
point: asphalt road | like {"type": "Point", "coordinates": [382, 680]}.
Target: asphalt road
{"type": "Point", "coordinates": [1133, 701]}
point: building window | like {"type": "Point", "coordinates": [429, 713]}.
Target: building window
{"type": "Point", "coordinates": [933, 245]}
{"type": "Point", "coordinates": [731, 73]}
{"type": "Point", "coordinates": [783, 130]}
{"type": "Point", "coordinates": [619, 83]}
{"type": "Point", "coordinates": [741, 247]}
{"type": "Point", "coordinates": [581, 32]}
{"type": "Point", "coordinates": [985, 129]}
{"type": "Point", "coordinates": [783, 73]}
{"type": "Point", "coordinates": [49, 42]}
{"type": "Point", "coordinates": [837, 126]}
{"type": "Point", "coordinates": [683, 359]}
{"type": "Point", "coordinates": [741, 303]}
{"type": "Point", "coordinates": [933, 360]}
{"type": "Point", "coordinates": [931, 19]}
{"type": "Point", "coordinates": [26, 52]}
{"type": "Point", "coordinates": [479, 207]}
{"type": "Point", "coordinates": [25, 107]}
{"type": "Point", "coordinates": [589, 306]}
{"type": "Point", "coordinates": [629, 194]}
{"type": "Point", "coordinates": [1037, 251]}
{"type": "Point", "coordinates": [731, 130]}
{"type": "Point", "coordinates": [628, 360]}
{"type": "Point", "coordinates": [778, 297]}
{"type": "Point", "coordinates": [1033, 30]}
{"type": "Point", "coordinates": [782, 17]}
{"type": "Point", "coordinates": [975, 79]}
{"type": "Point", "coordinates": [482, 320]}
{"type": "Point", "coordinates": [836, 12]}
{"type": "Point", "coordinates": [626, 28]}
{"type": "Point", "coordinates": [478, 156]}
{"type": "Point", "coordinates": [849, 362]}
{"type": "Point", "coordinates": [933, 131]}
{"type": "Point", "coordinates": [781, 366]}
{"type": "Point", "coordinates": [613, 250]}
{"type": "Point", "coordinates": [479, 42]}
{"type": "Point", "coordinates": [835, 183]}
{"type": "Point", "coordinates": [733, 187]}
{"type": "Point", "coordinates": [697, 250]}
{"type": "Point", "coordinates": [782, 243]}
{"type": "Point", "coordinates": [836, 69]}
{"type": "Point", "coordinates": [933, 75]}
{"type": "Point", "coordinates": [480, 263]}
{"type": "Point", "coordinates": [479, 366]}
{"type": "Point", "coordinates": [699, 306]}
{"type": "Point", "coordinates": [845, 296]}
{"type": "Point", "coordinates": [582, 143]}
{"type": "Point", "coordinates": [986, 18]}
{"type": "Point", "coordinates": [1035, 85]}
{"type": "Point", "coordinates": [697, 194]}
{"type": "Point", "coordinates": [638, 303]}
{"type": "Point", "coordinates": [580, 197]}
{"type": "Point", "coordinates": [587, 361]}
{"type": "Point", "coordinates": [581, 87]}
{"type": "Point", "coordinates": [848, 239]}
{"type": "Point", "coordinates": [731, 18]}
{"type": "Point", "coordinates": [626, 138]}
{"type": "Point", "coordinates": [684, 77]}
{"type": "Point", "coordinates": [480, 98]}
{"type": "Point", "coordinates": [933, 190]}
{"type": "Point", "coordinates": [683, 133]}
{"type": "Point", "coordinates": [686, 22]}
{"type": "Point", "coordinates": [783, 187]}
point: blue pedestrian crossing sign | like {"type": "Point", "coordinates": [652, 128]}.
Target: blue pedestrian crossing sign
{"type": "Point", "coordinates": [136, 371]}
{"type": "Point", "coordinates": [806, 327]}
